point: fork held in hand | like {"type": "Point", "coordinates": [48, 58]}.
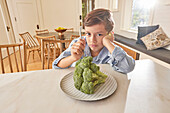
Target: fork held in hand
{"type": "Point", "coordinates": [81, 38]}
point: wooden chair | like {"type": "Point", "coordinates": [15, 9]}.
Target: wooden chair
{"type": "Point", "coordinates": [31, 44]}
{"type": "Point", "coordinates": [64, 44]}
{"type": "Point", "coordinates": [16, 61]}
{"type": "Point", "coordinates": [130, 52]}
{"type": "Point", "coordinates": [49, 51]}
{"type": "Point", "coordinates": [70, 29]}
{"type": "Point", "coordinates": [48, 38]}
{"type": "Point", "coordinates": [41, 31]}
{"type": "Point", "coordinates": [74, 37]}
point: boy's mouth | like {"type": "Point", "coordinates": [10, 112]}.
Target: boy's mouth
{"type": "Point", "coordinates": [93, 45]}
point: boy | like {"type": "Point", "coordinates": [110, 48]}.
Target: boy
{"type": "Point", "coordinates": [98, 44]}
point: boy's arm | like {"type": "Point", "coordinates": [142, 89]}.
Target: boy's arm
{"type": "Point", "coordinates": [72, 54]}
{"type": "Point", "coordinates": [66, 62]}
{"type": "Point", "coordinates": [119, 58]}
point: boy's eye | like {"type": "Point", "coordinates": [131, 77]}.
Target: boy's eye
{"type": "Point", "coordinates": [88, 34]}
{"type": "Point", "coordinates": [99, 34]}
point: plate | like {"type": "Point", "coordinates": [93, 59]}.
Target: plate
{"type": "Point", "coordinates": [105, 90]}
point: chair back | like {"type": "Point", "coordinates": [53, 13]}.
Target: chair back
{"type": "Point", "coordinates": [49, 51]}
{"type": "Point", "coordinates": [48, 38]}
{"type": "Point", "coordinates": [66, 44]}
{"type": "Point", "coordinates": [74, 37]}
{"type": "Point", "coordinates": [41, 31]}
{"type": "Point", "coordinates": [14, 62]}
{"type": "Point", "coordinates": [70, 29]}
{"type": "Point", "coordinates": [29, 40]}
{"type": "Point", "coordinates": [130, 52]}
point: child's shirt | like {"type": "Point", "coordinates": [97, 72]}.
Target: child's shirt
{"type": "Point", "coordinates": [118, 59]}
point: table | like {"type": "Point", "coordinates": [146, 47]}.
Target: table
{"type": "Point", "coordinates": [149, 89]}
{"type": "Point", "coordinates": [39, 92]}
{"type": "Point", "coordinates": [66, 34]}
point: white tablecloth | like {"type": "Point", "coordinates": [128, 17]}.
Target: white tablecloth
{"type": "Point", "coordinates": [39, 92]}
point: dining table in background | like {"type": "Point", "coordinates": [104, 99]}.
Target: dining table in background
{"type": "Point", "coordinates": [40, 92]}
{"type": "Point", "coordinates": [66, 34]}
{"type": "Point", "coordinates": [59, 36]}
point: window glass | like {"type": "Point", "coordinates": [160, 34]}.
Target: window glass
{"type": "Point", "coordinates": [87, 6]}
{"type": "Point", "coordinates": [141, 11]}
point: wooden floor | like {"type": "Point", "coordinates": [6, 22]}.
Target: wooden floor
{"type": "Point", "coordinates": [33, 64]}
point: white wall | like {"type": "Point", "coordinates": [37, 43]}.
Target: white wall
{"type": "Point", "coordinates": [64, 13]}
{"type": "Point", "coordinates": [162, 17]}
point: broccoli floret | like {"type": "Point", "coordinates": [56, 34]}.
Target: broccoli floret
{"type": "Point", "coordinates": [99, 73]}
{"type": "Point", "coordinates": [87, 87]}
{"type": "Point", "coordinates": [78, 62]}
{"type": "Point", "coordinates": [87, 75]}
{"type": "Point", "coordinates": [78, 79]}
{"type": "Point", "coordinates": [94, 67]}
{"type": "Point", "coordinates": [85, 62]}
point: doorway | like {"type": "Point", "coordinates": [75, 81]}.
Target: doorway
{"type": "Point", "coordinates": [24, 16]}
{"type": "Point", "coordinates": [6, 31]}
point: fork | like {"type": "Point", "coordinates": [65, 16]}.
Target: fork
{"type": "Point", "coordinates": [81, 38]}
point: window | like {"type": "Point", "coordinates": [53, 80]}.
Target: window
{"type": "Point", "coordinates": [113, 5]}
{"type": "Point", "coordinates": [137, 13]}
{"type": "Point", "coordinates": [87, 6]}
{"type": "Point", "coordinates": [141, 11]}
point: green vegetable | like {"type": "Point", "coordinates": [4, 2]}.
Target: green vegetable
{"type": "Point", "coordinates": [87, 75]}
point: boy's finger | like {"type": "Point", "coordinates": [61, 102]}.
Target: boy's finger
{"type": "Point", "coordinates": [82, 41]}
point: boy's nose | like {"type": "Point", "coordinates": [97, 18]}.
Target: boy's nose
{"type": "Point", "coordinates": [93, 39]}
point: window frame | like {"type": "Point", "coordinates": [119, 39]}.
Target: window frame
{"type": "Point", "coordinates": [127, 17]}
{"type": "Point", "coordinates": [114, 5]}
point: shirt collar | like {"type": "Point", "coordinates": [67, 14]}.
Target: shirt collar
{"type": "Point", "coordinates": [100, 56]}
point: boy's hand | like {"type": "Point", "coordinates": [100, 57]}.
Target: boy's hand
{"type": "Point", "coordinates": [77, 49]}
{"type": "Point", "coordinates": [107, 39]}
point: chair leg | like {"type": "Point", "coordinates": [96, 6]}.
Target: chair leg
{"type": "Point", "coordinates": [28, 56]}
{"type": "Point", "coordinates": [33, 54]}
{"type": "Point", "coordinates": [39, 54]}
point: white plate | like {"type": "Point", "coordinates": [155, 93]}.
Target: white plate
{"type": "Point", "coordinates": [105, 90]}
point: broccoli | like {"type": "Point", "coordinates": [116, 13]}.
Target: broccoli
{"type": "Point", "coordinates": [87, 75]}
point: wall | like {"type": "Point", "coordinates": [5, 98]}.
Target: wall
{"type": "Point", "coordinates": [64, 13]}
{"type": "Point", "coordinates": [162, 17]}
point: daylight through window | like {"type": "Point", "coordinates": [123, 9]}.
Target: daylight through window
{"type": "Point", "coordinates": [141, 10]}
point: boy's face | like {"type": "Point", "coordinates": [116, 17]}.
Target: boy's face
{"type": "Point", "coordinates": [94, 36]}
